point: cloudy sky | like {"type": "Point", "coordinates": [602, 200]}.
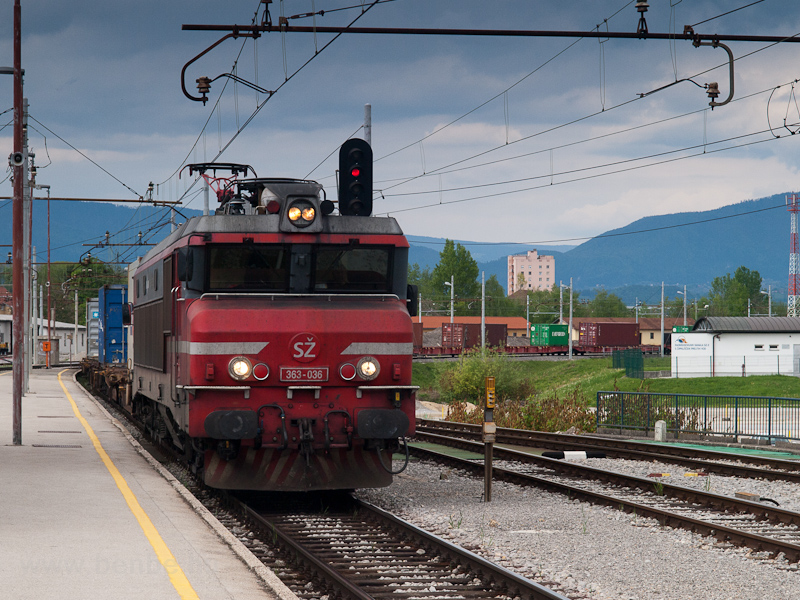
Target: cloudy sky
{"type": "Point", "coordinates": [486, 139]}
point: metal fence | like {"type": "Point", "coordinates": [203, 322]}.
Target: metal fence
{"type": "Point", "coordinates": [632, 360]}
{"type": "Point", "coordinates": [734, 366]}
{"type": "Point", "coordinates": [769, 418]}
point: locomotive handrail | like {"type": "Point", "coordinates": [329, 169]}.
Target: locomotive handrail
{"type": "Point", "coordinates": [193, 388]}
{"type": "Point", "coordinates": [294, 295]}
{"type": "Point", "coordinates": [361, 388]}
{"type": "Point", "coordinates": [292, 388]}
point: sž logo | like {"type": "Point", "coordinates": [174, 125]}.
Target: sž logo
{"type": "Point", "coordinates": [304, 347]}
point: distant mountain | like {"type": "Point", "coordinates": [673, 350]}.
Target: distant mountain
{"type": "Point", "coordinates": [686, 248]}
{"type": "Point", "coordinates": [75, 227]}
{"type": "Point", "coordinates": [681, 249]}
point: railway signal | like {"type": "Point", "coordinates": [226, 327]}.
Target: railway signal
{"type": "Point", "coordinates": [355, 178]}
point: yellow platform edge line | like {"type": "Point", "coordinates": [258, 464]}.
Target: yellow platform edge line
{"type": "Point", "coordinates": [176, 575]}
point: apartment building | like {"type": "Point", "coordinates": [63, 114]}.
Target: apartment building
{"type": "Point", "coordinates": [537, 271]}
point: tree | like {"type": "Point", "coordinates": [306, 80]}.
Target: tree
{"type": "Point", "coordinates": [422, 279]}
{"type": "Point", "coordinates": [455, 261]}
{"type": "Point", "coordinates": [607, 305]}
{"type": "Point", "coordinates": [729, 295]}
{"type": "Point", "coordinates": [497, 304]}
{"type": "Point", "coordinates": [86, 277]}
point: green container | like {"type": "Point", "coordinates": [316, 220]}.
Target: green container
{"type": "Point", "coordinates": [545, 334]}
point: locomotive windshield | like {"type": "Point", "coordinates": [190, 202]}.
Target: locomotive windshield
{"type": "Point", "coordinates": [250, 267]}
{"type": "Point", "coordinates": [300, 268]}
{"type": "Point", "coordinates": [352, 269]}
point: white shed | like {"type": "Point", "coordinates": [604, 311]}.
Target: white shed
{"type": "Point", "coordinates": [738, 346]}
{"type": "Point", "coordinates": [62, 332]}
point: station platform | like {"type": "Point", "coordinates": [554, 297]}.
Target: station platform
{"type": "Point", "coordinates": [85, 512]}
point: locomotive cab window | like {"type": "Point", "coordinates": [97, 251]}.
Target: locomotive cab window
{"type": "Point", "coordinates": [352, 269]}
{"type": "Point", "coordinates": [250, 267]}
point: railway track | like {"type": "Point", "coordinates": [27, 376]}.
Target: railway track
{"type": "Point", "coordinates": [760, 527]}
{"type": "Point", "coordinates": [334, 545]}
{"type": "Point", "coordinates": [709, 461]}
{"type": "Point", "coordinates": [350, 549]}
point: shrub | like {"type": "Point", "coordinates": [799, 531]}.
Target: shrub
{"type": "Point", "coordinates": [466, 382]}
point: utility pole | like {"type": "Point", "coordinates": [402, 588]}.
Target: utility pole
{"type": "Point", "coordinates": [528, 313]}
{"type": "Point", "coordinates": [75, 334]}
{"type": "Point", "coordinates": [570, 318]}
{"type": "Point", "coordinates": [483, 311]}
{"type": "Point", "coordinates": [684, 304]}
{"type": "Point", "coordinates": [560, 302]}
{"type": "Point", "coordinates": [451, 283]}
{"type": "Point", "coordinates": [27, 261]}
{"type": "Point", "coordinates": [662, 319]}
{"type": "Point", "coordinates": [368, 123]}
{"type": "Point", "coordinates": [17, 161]}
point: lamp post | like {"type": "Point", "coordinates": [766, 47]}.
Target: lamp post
{"type": "Point", "coordinates": [452, 295]}
{"type": "Point", "coordinates": [561, 287]}
{"type": "Point", "coordinates": [769, 295]}
{"type": "Point", "coordinates": [683, 293]}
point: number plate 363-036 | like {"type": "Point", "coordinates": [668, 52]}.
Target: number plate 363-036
{"type": "Point", "coordinates": [304, 374]}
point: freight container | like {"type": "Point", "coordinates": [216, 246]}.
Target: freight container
{"type": "Point", "coordinates": [92, 326]}
{"type": "Point", "coordinates": [111, 338]}
{"type": "Point", "coordinates": [609, 334]}
{"type": "Point", "coordinates": [416, 329]}
{"type": "Point", "coordinates": [545, 334]}
{"type": "Point", "coordinates": [496, 335]}
{"type": "Point", "coordinates": [468, 335]}
{"type": "Point", "coordinates": [452, 335]}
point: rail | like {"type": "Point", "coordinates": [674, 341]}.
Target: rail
{"type": "Point", "coordinates": [766, 418]}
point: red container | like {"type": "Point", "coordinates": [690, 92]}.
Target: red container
{"type": "Point", "coordinates": [417, 332]}
{"type": "Point", "coordinates": [609, 334]}
{"type": "Point", "coordinates": [496, 335]}
{"type": "Point", "coordinates": [452, 335]}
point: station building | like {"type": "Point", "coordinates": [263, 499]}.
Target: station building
{"type": "Point", "coordinates": [738, 347]}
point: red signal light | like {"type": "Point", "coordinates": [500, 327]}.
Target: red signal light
{"type": "Point", "coordinates": [355, 172]}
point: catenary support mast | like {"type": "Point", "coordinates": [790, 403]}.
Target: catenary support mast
{"type": "Point", "coordinates": [792, 202]}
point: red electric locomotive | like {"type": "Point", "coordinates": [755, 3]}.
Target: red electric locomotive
{"type": "Point", "coordinates": [272, 341]}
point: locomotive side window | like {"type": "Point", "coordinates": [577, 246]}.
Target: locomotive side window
{"type": "Point", "coordinates": [352, 269]}
{"type": "Point", "coordinates": [252, 267]}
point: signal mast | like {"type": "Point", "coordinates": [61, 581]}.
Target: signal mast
{"type": "Point", "coordinates": [794, 256]}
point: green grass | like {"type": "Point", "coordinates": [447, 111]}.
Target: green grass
{"type": "Point", "coordinates": [591, 375]}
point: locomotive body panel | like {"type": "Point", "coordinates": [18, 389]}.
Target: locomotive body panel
{"type": "Point", "coordinates": [280, 355]}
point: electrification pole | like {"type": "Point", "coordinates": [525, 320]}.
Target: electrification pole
{"type": "Point", "coordinates": [662, 319]}
{"type": "Point", "coordinates": [17, 227]}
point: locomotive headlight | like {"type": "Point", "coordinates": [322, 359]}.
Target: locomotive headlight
{"type": "Point", "coordinates": [301, 213]}
{"type": "Point", "coordinates": [240, 368]}
{"type": "Point", "coordinates": [368, 368]}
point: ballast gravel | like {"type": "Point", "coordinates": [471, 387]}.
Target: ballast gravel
{"type": "Point", "coordinates": [591, 551]}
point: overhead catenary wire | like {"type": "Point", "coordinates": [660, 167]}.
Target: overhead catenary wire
{"type": "Point", "coordinates": [556, 127]}
{"type": "Point", "coordinates": [84, 155]}
{"type": "Point", "coordinates": [552, 184]}
{"type": "Point", "coordinates": [288, 78]}
{"type": "Point", "coordinates": [579, 170]}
